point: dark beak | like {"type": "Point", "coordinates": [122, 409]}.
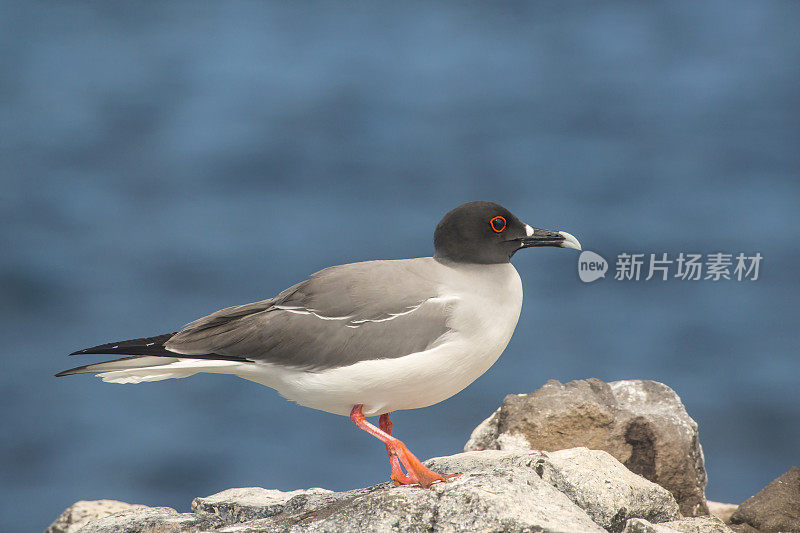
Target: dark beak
{"type": "Point", "coordinates": [545, 237]}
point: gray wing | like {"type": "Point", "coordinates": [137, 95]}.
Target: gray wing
{"type": "Point", "coordinates": [341, 315]}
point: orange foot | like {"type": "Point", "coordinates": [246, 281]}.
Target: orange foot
{"type": "Point", "coordinates": [399, 455]}
{"type": "Point", "coordinates": [417, 472]}
{"type": "Point", "coordinates": [397, 475]}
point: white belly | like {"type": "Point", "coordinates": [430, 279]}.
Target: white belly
{"type": "Point", "coordinates": [483, 319]}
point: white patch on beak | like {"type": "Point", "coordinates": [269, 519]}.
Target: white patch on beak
{"type": "Point", "coordinates": [569, 241]}
{"type": "Point", "coordinates": [528, 230]}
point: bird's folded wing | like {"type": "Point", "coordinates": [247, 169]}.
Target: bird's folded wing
{"type": "Point", "coordinates": [340, 316]}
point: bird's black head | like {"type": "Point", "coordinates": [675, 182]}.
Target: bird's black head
{"type": "Point", "coordinates": [484, 232]}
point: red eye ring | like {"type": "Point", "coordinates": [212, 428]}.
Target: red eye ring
{"type": "Point", "coordinates": [494, 225]}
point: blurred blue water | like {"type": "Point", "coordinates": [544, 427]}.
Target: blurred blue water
{"type": "Point", "coordinates": [160, 161]}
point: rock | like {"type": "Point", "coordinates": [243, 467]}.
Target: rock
{"type": "Point", "coordinates": [743, 528]}
{"type": "Point", "coordinates": [153, 520]}
{"type": "Point", "coordinates": [605, 489]}
{"type": "Point", "coordinates": [496, 491]}
{"type": "Point", "coordinates": [723, 511]}
{"type": "Point", "coordinates": [80, 513]}
{"type": "Point", "coordinates": [240, 505]}
{"type": "Point", "coordinates": [774, 508]}
{"type": "Point", "coordinates": [643, 424]}
{"type": "Point", "coordinates": [569, 490]}
{"type": "Point", "coordinates": [696, 524]}
{"type": "Point", "coordinates": [640, 525]}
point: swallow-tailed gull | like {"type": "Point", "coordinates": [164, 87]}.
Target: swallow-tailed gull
{"type": "Point", "coordinates": [363, 339]}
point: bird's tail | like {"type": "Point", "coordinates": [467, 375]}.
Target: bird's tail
{"type": "Point", "coordinates": [138, 364]}
{"type": "Point", "coordinates": [151, 361]}
{"type": "Point", "coordinates": [140, 368]}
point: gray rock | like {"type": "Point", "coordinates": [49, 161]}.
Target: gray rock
{"type": "Point", "coordinates": [496, 492]}
{"type": "Point", "coordinates": [153, 520]}
{"type": "Point", "coordinates": [80, 513]}
{"type": "Point", "coordinates": [774, 508]}
{"type": "Point", "coordinates": [240, 505]}
{"type": "Point", "coordinates": [744, 528]}
{"type": "Point", "coordinates": [697, 524]}
{"type": "Point", "coordinates": [605, 489]}
{"type": "Point", "coordinates": [641, 423]}
{"type": "Point", "coordinates": [723, 511]}
{"type": "Point", "coordinates": [571, 490]}
{"type": "Point", "coordinates": [640, 525]}
{"type": "Point", "coordinates": [576, 490]}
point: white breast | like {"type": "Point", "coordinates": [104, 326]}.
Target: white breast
{"type": "Point", "coordinates": [486, 301]}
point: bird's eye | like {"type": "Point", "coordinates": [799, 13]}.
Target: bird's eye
{"type": "Point", "coordinates": [498, 224]}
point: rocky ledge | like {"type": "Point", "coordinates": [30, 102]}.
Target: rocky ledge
{"type": "Point", "coordinates": [581, 457]}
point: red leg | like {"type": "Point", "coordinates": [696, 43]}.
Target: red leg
{"type": "Point", "coordinates": [398, 476]}
{"type": "Point", "coordinates": [417, 472]}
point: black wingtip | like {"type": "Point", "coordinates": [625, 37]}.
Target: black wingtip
{"type": "Point", "coordinates": [62, 373]}
{"type": "Point", "coordinates": [142, 346]}
{"type": "Point", "coordinates": [96, 350]}
{"type": "Point", "coordinates": [102, 349]}
{"type": "Point", "coordinates": [153, 346]}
